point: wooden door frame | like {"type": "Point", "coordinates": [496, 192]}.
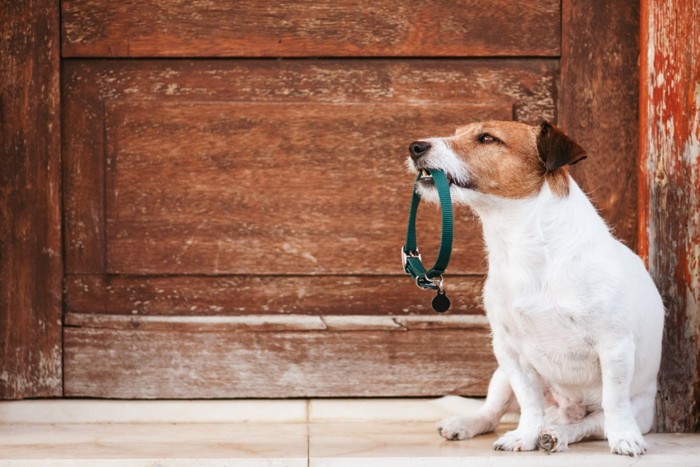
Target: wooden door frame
{"type": "Point", "coordinates": [31, 252]}
{"type": "Point", "coordinates": [599, 98]}
{"type": "Point", "coordinates": [31, 258]}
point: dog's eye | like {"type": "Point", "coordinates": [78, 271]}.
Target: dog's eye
{"type": "Point", "coordinates": [487, 138]}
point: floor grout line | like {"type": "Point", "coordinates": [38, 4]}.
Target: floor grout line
{"type": "Point", "coordinates": [308, 433]}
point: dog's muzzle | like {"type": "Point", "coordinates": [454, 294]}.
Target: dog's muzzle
{"type": "Point", "coordinates": [418, 149]}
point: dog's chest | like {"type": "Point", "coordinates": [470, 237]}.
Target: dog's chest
{"type": "Point", "coordinates": [544, 325]}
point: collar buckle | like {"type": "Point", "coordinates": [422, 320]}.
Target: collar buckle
{"type": "Point", "coordinates": [409, 254]}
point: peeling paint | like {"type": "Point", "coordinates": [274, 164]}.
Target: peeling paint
{"type": "Point", "coordinates": [671, 168]}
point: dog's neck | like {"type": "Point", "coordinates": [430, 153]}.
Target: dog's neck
{"type": "Point", "coordinates": [531, 229]}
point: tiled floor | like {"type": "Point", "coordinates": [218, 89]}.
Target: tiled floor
{"type": "Point", "coordinates": [319, 433]}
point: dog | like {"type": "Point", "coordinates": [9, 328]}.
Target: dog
{"type": "Point", "coordinates": [576, 320]}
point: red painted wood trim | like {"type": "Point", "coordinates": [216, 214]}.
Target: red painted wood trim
{"type": "Point", "coordinates": [670, 210]}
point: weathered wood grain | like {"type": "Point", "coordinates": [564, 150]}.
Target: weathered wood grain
{"type": "Point", "coordinates": [83, 174]}
{"type": "Point", "coordinates": [133, 363]}
{"type": "Point", "coordinates": [30, 217]}
{"type": "Point", "coordinates": [89, 85]}
{"type": "Point", "coordinates": [215, 323]}
{"type": "Point", "coordinates": [156, 336]}
{"type": "Point", "coordinates": [208, 28]}
{"type": "Point", "coordinates": [298, 189]}
{"type": "Point", "coordinates": [273, 323]}
{"type": "Point", "coordinates": [247, 295]}
{"type": "Point", "coordinates": [670, 198]}
{"type": "Point", "coordinates": [598, 104]}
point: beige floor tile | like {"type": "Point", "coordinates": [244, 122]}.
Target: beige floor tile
{"type": "Point", "coordinates": [419, 409]}
{"type": "Point", "coordinates": [416, 444]}
{"type": "Point", "coordinates": [342, 433]}
{"type": "Point", "coordinates": [161, 411]}
{"type": "Point", "coordinates": [244, 444]}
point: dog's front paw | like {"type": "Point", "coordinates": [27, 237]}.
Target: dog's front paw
{"type": "Point", "coordinates": [457, 428]}
{"type": "Point", "coordinates": [517, 440]}
{"type": "Point", "coordinates": [627, 443]}
{"type": "Point", "coordinates": [551, 440]}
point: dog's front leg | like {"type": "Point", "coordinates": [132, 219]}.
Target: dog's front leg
{"type": "Point", "coordinates": [529, 392]}
{"type": "Point", "coordinates": [617, 367]}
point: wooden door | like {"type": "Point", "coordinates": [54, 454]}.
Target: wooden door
{"type": "Point", "coordinates": [182, 278]}
{"type": "Point", "coordinates": [235, 194]}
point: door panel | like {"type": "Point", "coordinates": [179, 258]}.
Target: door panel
{"type": "Point", "coordinates": [172, 28]}
{"type": "Point", "coordinates": [311, 357]}
{"type": "Point", "coordinates": [274, 188]}
{"type": "Point", "coordinates": [92, 89]}
{"type": "Point", "coordinates": [235, 295]}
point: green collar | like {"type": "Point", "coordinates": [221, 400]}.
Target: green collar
{"type": "Point", "coordinates": [411, 259]}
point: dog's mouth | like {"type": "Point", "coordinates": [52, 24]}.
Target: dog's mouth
{"type": "Point", "coordinates": [426, 180]}
{"type": "Point", "coordinates": [425, 177]}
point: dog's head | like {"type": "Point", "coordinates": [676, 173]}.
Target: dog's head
{"type": "Point", "coordinates": [497, 159]}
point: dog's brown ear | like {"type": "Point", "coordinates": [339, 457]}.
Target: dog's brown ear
{"type": "Point", "coordinates": [556, 149]}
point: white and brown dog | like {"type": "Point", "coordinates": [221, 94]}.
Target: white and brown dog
{"type": "Point", "coordinates": [575, 317]}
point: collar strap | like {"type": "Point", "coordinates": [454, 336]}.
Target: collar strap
{"type": "Point", "coordinates": [411, 258]}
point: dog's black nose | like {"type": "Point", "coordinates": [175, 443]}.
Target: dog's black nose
{"type": "Point", "coordinates": [418, 149]}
